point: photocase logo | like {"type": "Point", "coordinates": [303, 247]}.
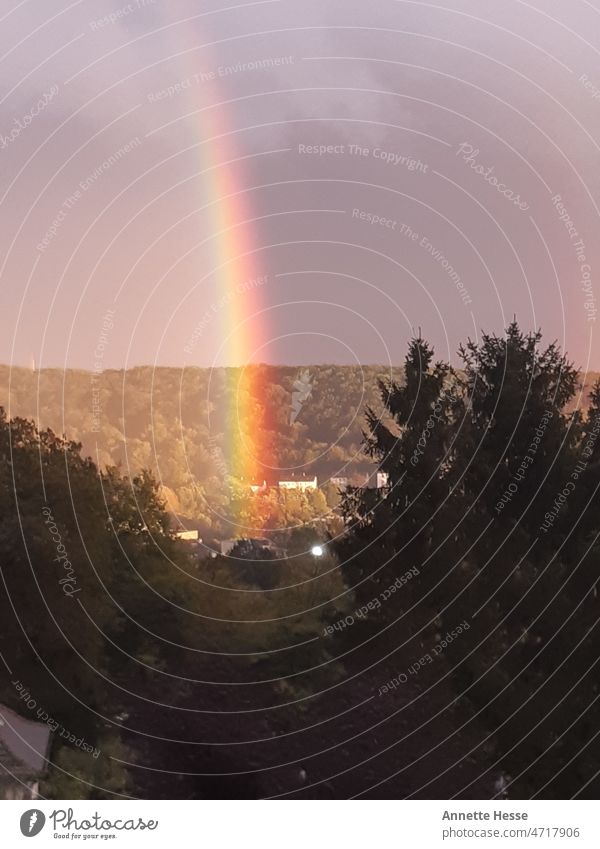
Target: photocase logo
{"type": "Point", "coordinates": [302, 392]}
{"type": "Point", "coordinates": [32, 822]}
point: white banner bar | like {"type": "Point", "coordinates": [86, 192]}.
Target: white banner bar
{"type": "Point", "coordinates": [298, 824]}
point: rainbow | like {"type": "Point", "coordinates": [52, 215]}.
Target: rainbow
{"type": "Point", "coordinates": [235, 261]}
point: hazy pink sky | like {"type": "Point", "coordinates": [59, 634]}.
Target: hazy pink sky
{"type": "Point", "coordinates": [118, 121]}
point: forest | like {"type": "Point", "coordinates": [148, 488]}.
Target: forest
{"type": "Point", "coordinates": [175, 424]}
{"type": "Point", "coordinates": [444, 645]}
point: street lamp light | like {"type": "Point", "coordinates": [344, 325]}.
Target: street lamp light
{"type": "Point", "coordinates": [317, 551]}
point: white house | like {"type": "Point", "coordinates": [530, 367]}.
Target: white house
{"type": "Point", "coordinates": [24, 747]}
{"type": "Point", "coordinates": [301, 484]}
{"type": "Point", "coordinates": [383, 480]}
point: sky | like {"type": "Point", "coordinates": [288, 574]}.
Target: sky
{"type": "Point", "coordinates": [293, 181]}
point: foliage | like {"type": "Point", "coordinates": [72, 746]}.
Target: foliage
{"type": "Point", "coordinates": [477, 461]}
{"type": "Point", "coordinates": [178, 425]}
{"type": "Point", "coordinates": [106, 615]}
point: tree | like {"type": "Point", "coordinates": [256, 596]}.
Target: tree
{"type": "Point", "coordinates": [476, 460]}
{"type": "Point", "coordinates": [85, 585]}
{"type": "Point", "coordinates": [412, 442]}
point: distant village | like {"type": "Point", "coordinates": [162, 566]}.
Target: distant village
{"type": "Point", "coordinates": [261, 547]}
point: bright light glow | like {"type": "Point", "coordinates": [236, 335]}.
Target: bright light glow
{"type": "Point", "coordinates": [317, 551]}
